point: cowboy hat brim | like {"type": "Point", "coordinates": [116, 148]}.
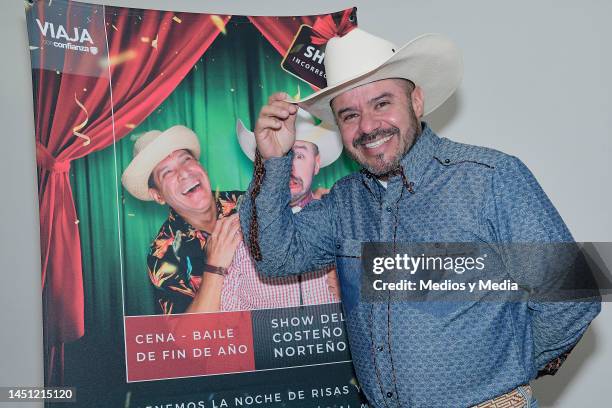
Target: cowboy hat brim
{"type": "Point", "coordinates": [326, 139]}
{"type": "Point", "coordinates": [431, 61]}
{"type": "Point", "coordinates": [135, 178]}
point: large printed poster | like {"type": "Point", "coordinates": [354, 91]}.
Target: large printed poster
{"type": "Point", "coordinates": [133, 315]}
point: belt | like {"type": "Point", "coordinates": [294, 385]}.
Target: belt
{"type": "Point", "coordinates": [520, 397]}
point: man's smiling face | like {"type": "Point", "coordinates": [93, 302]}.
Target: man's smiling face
{"type": "Point", "coordinates": [379, 122]}
{"type": "Point", "coordinates": [182, 183]}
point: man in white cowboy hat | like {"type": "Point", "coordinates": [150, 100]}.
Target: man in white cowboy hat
{"type": "Point", "coordinates": [414, 187]}
{"type": "Point", "coordinates": [195, 246]}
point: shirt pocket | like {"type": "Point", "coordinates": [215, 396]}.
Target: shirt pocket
{"type": "Point", "coordinates": [348, 265]}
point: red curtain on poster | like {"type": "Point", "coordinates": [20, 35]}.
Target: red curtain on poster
{"type": "Point", "coordinates": [280, 31]}
{"type": "Point", "coordinates": [76, 115]}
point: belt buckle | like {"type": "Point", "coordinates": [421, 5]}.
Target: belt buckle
{"type": "Point", "coordinates": [517, 398]}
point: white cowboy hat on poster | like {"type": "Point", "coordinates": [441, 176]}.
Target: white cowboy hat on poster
{"type": "Point", "coordinates": [150, 149]}
{"type": "Point", "coordinates": [324, 136]}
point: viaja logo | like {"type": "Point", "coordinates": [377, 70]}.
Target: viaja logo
{"type": "Point", "coordinates": [59, 32]}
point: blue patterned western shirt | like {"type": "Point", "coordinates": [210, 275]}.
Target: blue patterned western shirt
{"type": "Point", "coordinates": [426, 354]}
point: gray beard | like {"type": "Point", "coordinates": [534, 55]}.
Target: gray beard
{"type": "Point", "coordinates": [383, 167]}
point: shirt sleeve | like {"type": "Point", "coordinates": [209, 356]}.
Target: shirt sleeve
{"type": "Point", "coordinates": [289, 243]}
{"type": "Point", "coordinates": [172, 293]}
{"type": "Point", "coordinates": [231, 292]}
{"type": "Point", "coordinates": [522, 213]}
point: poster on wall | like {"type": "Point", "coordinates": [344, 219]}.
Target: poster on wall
{"type": "Point", "coordinates": [143, 133]}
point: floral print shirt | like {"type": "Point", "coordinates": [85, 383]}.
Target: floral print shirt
{"type": "Point", "coordinates": [176, 258]}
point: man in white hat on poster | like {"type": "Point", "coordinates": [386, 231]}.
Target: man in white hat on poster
{"type": "Point", "coordinates": [315, 147]}
{"type": "Point", "coordinates": [197, 262]}
{"type": "Point", "coordinates": [414, 187]}
{"type": "Point", "coordinates": [195, 246]}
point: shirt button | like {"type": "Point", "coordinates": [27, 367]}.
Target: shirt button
{"type": "Point", "coordinates": [447, 161]}
{"type": "Point", "coordinates": [388, 209]}
{"type": "Point", "coordinates": [389, 394]}
{"type": "Point", "coordinates": [380, 348]}
{"type": "Point", "coordinates": [338, 246]}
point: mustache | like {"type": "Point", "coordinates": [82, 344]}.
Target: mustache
{"type": "Point", "coordinates": [380, 132]}
{"type": "Point", "coordinates": [296, 180]}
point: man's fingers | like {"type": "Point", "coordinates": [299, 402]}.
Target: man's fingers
{"type": "Point", "coordinates": [229, 225]}
{"type": "Point", "coordinates": [280, 110]}
{"type": "Point", "coordinates": [224, 227]}
{"type": "Point", "coordinates": [217, 228]}
{"type": "Point", "coordinates": [233, 218]}
{"type": "Point", "coordinates": [236, 238]}
{"type": "Point", "coordinates": [290, 121]}
{"type": "Point", "coordinates": [239, 234]}
{"type": "Point", "coordinates": [278, 96]}
{"type": "Point", "coordinates": [275, 127]}
{"type": "Point", "coordinates": [268, 122]}
{"type": "Point", "coordinates": [291, 107]}
{"type": "Point", "coordinates": [231, 236]}
{"type": "Point", "coordinates": [233, 229]}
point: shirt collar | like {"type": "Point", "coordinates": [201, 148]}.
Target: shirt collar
{"type": "Point", "coordinates": [415, 161]}
{"type": "Point", "coordinates": [178, 223]}
{"type": "Point", "coordinates": [226, 202]}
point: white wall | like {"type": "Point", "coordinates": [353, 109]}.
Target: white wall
{"type": "Point", "coordinates": [536, 85]}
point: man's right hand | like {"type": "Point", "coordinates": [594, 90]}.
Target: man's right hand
{"type": "Point", "coordinates": [223, 241]}
{"type": "Point", "coordinates": [275, 127]}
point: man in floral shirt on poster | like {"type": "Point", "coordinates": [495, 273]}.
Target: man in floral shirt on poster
{"type": "Point", "coordinates": [194, 270]}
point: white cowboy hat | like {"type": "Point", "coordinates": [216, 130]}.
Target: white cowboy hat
{"type": "Point", "coordinates": [431, 61]}
{"type": "Point", "coordinates": [150, 149]}
{"type": "Point", "coordinates": [324, 136]}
